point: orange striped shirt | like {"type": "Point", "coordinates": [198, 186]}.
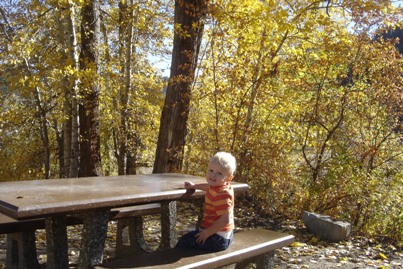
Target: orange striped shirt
{"type": "Point", "coordinates": [219, 200]}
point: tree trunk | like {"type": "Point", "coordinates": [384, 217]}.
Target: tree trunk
{"type": "Point", "coordinates": [68, 42]}
{"type": "Point", "coordinates": [122, 103]}
{"type": "Point", "coordinates": [96, 222]}
{"type": "Point", "coordinates": [90, 156]}
{"type": "Point", "coordinates": [189, 15]}
{"type": "Point", "coordinates": [125, 54]}
{"type": "Point", "coordinates": [60, 146]}
{"type": "Point", "coordinates": [75, 143]}
{"type": "Point", "coordinates": [44, 132]}
{"type": "Point", "coordinates": [131, 131]}
{"type": "Point", "coordinates": [74, 55]}
{"type": "Point", "coordinates": [43, 129]}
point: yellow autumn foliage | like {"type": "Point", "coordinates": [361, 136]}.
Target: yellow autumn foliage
{"type": "Point", "coordinates": [306, 95]}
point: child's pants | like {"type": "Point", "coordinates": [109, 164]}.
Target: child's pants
{"type": "Point", "coordinates": [213, 243]}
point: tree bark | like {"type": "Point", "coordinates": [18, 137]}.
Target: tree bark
{"type": "Point", "coordinates": [125, 54]}
{"type": "Point", "coordinates": [189, 24]}
{"type": "Point", "coordinates": [74, 55]}
{"type": "Point", "coordinates": [95, 223]}
{"type": "Point", "coordinates": [90, 157]}
{"type": "Point", "coordinates": [43, 129]}
{"type": "Point", "coordinates": [68, 42]}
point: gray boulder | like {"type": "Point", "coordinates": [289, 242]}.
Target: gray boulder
{"type": "Point", "coordinates": [325, 227]}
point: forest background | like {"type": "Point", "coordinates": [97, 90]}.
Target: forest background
{"type": "Point", "coordinates": [306, 94]}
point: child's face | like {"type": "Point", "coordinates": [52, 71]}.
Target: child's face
{"type": "Point", "coordinates": [217, 175]}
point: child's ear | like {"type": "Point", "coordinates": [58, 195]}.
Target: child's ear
{"type": "Point", "coordinates": [230, 178]}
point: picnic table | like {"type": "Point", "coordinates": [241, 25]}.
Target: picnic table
{"type": "Point", "coordinates": [92, 198]}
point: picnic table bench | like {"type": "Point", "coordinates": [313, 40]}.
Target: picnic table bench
{"type": "Point", "coordinates": [21, 248]}
{"type": "Point", "coordinates": [251, 246]}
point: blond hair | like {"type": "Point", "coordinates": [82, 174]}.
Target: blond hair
{"type": "Point", "coordinates": [226, 160]}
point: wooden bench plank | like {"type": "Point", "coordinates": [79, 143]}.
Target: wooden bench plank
{"type": "Point", "coordinates": [10, 225]}
{"type": "Point", "coordinates": [137, 210]}
{"type": "Point", "coordinates": [247, 245]}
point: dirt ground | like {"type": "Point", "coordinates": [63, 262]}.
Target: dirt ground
{"type": "Point", "coordinates": [307, 252]}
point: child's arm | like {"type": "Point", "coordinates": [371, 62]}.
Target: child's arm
{"type": "Point", "coordinates": [216, 227]}
{"type": "Point", "coordinates": [190, 185]}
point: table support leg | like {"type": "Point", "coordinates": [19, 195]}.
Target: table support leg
{"type": "Point", "coordinates": [265, 261]}
{"type": "Point", "coordinates": [21, 250]}
{"type": "Point", "coordinates": [95, 226]}
{"type": "Point", "coordinates": [168, 225]}
{"type": "Point", "coordinates": [200, 207]}
{"type": "Point", "coordinates": [56, 241]}
{"type": "Point", "coordinates": [130, 237]}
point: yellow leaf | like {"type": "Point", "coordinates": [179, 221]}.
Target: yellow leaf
{"type": "Point", "coordinates": [296, 244]}
{"type": "Point", "coordinates": [383, 256]}
{"type": "Point", "coordinates": [314, 240]}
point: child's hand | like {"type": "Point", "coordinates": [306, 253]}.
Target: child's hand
{"type": "Point", "coordinates": [189, 185]}
{"type": "Point", "coordinates": [202, 237]}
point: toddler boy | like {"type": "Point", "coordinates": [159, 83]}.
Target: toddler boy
{"type": "Point", "coordinates": [216, 229]}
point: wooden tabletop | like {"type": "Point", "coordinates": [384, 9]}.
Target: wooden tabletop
{"type": "Point", "coordinates": [42, 198]}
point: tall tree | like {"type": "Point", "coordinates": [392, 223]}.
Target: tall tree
{"type": "Point", "coordinates": [67, 39]}
{"type": "Point", "coordinates": [188, 31]}
{"type": "Point", "coordinates": [96, 223]}
{"type": "Point", "coordinates": [125, 55]}
{"type": "Point", "coordinates": [90, 156]}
